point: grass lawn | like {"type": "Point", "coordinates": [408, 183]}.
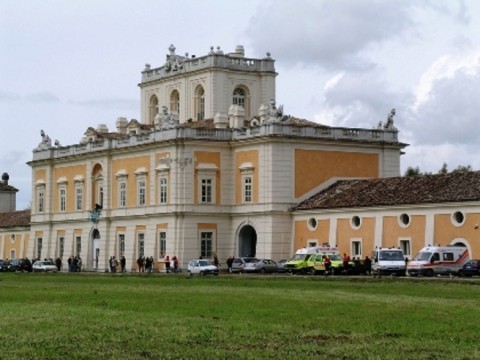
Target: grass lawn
{"type": "Point", "coordinates": [80, 316]}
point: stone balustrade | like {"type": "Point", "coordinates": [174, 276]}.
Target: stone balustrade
{"type": "Point", "coordinates": [266, 130]}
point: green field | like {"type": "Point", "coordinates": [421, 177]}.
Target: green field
{"type": "Point", "coordinates": [80, 316]}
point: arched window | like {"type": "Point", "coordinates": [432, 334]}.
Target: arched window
{"type": "Point", "coordinates": [175, 102]}
{"type": "Point", "coordinates": [97, 185]}
{"type": "Point", "coordinates": [152, 109]}
{"type": "Point", "coordinates": [241, 97]}
{"type": "Point", "coordinates": [199, 103]}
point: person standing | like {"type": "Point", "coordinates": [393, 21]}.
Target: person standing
{"type": "Point", "coordinates": [123, 264]}
{"type": "Point", "coordinates": [175, 264]}
{"type": "Point", "coordinates": [167, 264]}
{"type": "Point", "coordinates": [327, 264]}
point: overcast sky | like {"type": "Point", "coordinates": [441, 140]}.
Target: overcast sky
{"type": "Point", "coordinates": [68, 65]}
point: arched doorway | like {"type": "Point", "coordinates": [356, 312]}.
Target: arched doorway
{"type": "Point", "coordinates": [247, 241]}
{"type": "Point", "coordinates": [95, 254]}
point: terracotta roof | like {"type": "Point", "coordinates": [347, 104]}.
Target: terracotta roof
{"type": "Point", "coordinates": [15, 218]}
{"type": "Point", "coordinates": [407, 190]}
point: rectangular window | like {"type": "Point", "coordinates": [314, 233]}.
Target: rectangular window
{"type": "Point", "coordinates": [63, 199]}
{"type": "Point", "coordinates": [78, 245]}
{"type": "Point", "coordinates": [61, 246]}
{"type": "Point", "coordinates": [356, 248]}
{"type": "Point", "coordinates": [206, 191]}
{"type": "Point", "coordinates": [79, 197]}
{"type": "Point", "coordinates": [39, 248]}
{"type": "Point", "coordinates": [100, 194]}
{"type": "Point", "coordinates": [405, 246]}
{"type": "Point", "coordinates": [13, 254]}
{"type": "Point", "coordinates": [247, 189]}
{"type": "Point", "coordinates": [141, 244]}
{"type": "Point", "coordinates": [162, 244]}
{"type": "Point", "coordinates": [40, 199]}
{"type": "Point", "coordinates": [312, 243]}
{"type": "Point", "coordinates": [141, 192]}
{"type": "Point", "coordinates": [163, 190]}
{"type": "Point", "coordinates": [206, 244]}
{"type": "Point", "coordinates": [122, 194]}
{"type": "Point", "coordinates": [121, 245]}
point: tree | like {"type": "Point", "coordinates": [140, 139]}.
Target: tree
{"type": "Point", "coordinates": [444, 169]}
{"type": "Point", "coordinates": [461, 168]}
{"type": "Point", "coordinates": [411, 171]}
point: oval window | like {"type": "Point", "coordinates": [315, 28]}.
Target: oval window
{"type": "Point", "coordinates": [312, 223]}
{"type": "Point", "coordinates": [458, 218]}
{"type": "Point", "coordinates": [404, 219]}
{"type": "Point", "coordinates": [356, 222]}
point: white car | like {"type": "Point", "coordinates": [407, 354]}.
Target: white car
{"type": "Point", "coordinates": [44, 266]}
{"type": "Point", "coordinates": [201, 267]}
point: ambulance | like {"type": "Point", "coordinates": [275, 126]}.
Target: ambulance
{"type": "Point", "coordinates": [388, 261]}
{"type": "Point", "coordinates": [438, 260]}
{"type": "Point", "coordinates": [305, 258]}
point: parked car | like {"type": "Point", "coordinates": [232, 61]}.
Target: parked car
{"type": "Point", "coordinates": [24, 265]}
{"type": "Point", "coordinates": [3, 265]}
{"type": "Point", "coordinates": [44, 266]}
{"type": "Point", "coordinates": [201, 267]}
{"type": "Point", "coordinates": [470, 268]}
{"type": "Point", "coordinates": [281, 265]}
{"type": "Point", "coordinates": [239, 263]}
{"type": "Point", "coordinates": [261, 266]}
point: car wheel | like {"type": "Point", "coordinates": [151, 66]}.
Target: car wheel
{"type": "Point", "coordinates": [202, 273]}
{"type": "Point", "coordinates": [190, 273]}
{"type": "Point", "coordinates": [429, 273]}
{"type": "Point", "coordinates": [262, 270]}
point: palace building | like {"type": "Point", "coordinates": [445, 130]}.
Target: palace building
{"type": "Point", "coordinates": [213, 166]}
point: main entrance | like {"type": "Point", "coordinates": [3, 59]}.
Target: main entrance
{"type": "Point", "coordinates": [95, 255]}
{"type": "Point", "coordinates": [247, 241]}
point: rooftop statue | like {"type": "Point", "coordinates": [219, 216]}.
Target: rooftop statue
{"type": "Point", "coordinates": [174, 62]}
{"type": "Point", "coordinates": [165, 120]}
{"type": "Point", "coordinates": [46, 142]}
{"type": "Point", "coordinates": [389, 123]}
{"type": "Point", "coordinates": [274, 114]}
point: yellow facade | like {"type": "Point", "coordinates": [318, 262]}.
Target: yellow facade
{"type": "Point", "coordinates": [250, 158]}
{"type": "Point", "coordinates": [315, 167]}
{"type": "Point", "coordinates": [211, 159]}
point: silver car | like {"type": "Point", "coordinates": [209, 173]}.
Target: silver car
{"type": "Point", "coordinates": [44, 266]}
{"type": "Point", "coordinates": [201, 267]}
{"type": "Point", "coordinates": [261, 266]}
{"type": "Point", "coordinates": [239, 263]}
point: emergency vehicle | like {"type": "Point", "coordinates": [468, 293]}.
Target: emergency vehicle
{"type": "Point", "coordinates": [305, 258]}
{"type": "Point", "coordinates": [388, 261]}
{"type": "Point", "coordinates": [438, 260]}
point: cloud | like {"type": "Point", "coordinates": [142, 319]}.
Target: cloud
{"type": "Point", "coordinates": [331, 34]}
{"type": "Point", "coordinates": [445, 110]}
{"type": "Point", "coordinates": [359, 99]}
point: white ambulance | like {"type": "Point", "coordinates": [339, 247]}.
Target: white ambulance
{"type": "Point", "coordinates": [438, 260]}
{"type": "Point", "coordinates": [388, 261]}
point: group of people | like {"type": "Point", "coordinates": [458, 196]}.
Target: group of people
{"type": "Point", "coordinates": [346, 264]}
{"type": "Point", "coordinates": [113, 264]}
{"type": "Point", "coordinates": [74, 263]}
{"type": "Point", "coordinates": [146, 264]}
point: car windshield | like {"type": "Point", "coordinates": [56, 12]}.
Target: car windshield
{"type": "Point", "coordinates": [46, 263]}
{"type": "Point", "coordinates": [335, 257]}
{"type": "Point", "coordinates": [204, 263]}
{"type": "Point", "coordinates": [423, 256]}
{"type": "Point", "coordinates": [297, 257]}
{"type": "Point", "coordinates": [391, 255]}
{"type": "Point", "coordinates": [248, 260]}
